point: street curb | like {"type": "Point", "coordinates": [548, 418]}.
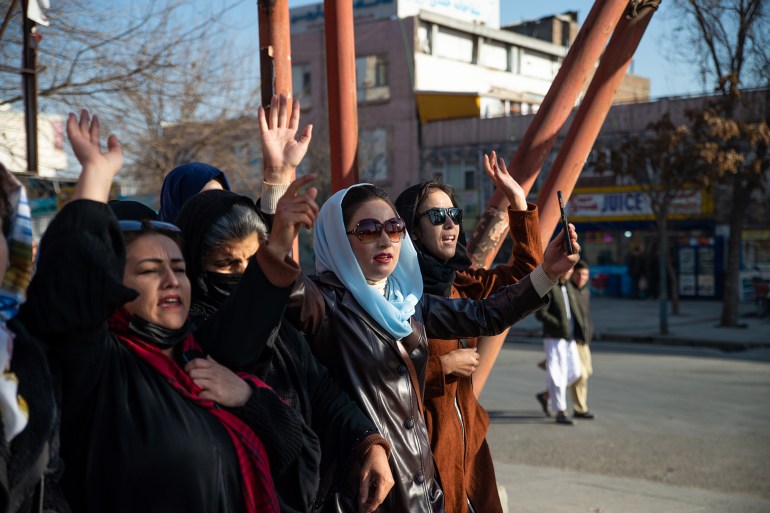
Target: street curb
{"type": "Point", "coordinates": [659, 340]}
{"type": "Point", "coordinates": [662, 340]}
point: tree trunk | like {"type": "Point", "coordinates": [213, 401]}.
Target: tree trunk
{"type": "Point", "coordinates": [663, 266]}
{"type": "Point", "coordinates": [674, 288]}
{"type": "Point", "coordinates": [741, 192]}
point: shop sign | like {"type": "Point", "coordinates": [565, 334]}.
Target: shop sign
{"type": "Point", "coordinates": [629, 205]}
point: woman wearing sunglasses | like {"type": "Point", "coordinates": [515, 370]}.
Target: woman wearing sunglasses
{"type": "Point", "coordinates": [372, 336]}
{"type": "Point", "coordinates": [456, 422]}
{"type": "Point", "coordinates": [144, 427]}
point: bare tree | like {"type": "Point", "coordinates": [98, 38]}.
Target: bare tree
{"type": "Point", "coordinates": [731, 40]}
{"type": "Point", "coordinates": [162, 74]}
{"type": "Point", "coordinates": [661, 162]}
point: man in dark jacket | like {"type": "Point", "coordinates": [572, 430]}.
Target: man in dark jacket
{"type": "Point", "coordinates": [584, 332]}
{"type": "Point", "coordinates": [560, 324]}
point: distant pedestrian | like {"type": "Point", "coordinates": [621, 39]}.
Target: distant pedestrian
{"type": "Point", "coordinates": [584, 332]}
{"type": "Point", "coordinates": [562, 361]}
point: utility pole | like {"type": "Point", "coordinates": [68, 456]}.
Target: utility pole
{"type": "Point", "coordinates": [29, 87]}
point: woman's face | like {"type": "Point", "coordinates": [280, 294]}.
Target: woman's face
{"type": "Point", "coordinates": [232, 257]}
{"type": "Point", "coordinates": [438, 240]}
{"type": "Point", "coordinates": [377, 259]}
{"type": "Point", "coordinates": [212, 185]}
{"type": "Point", "coordinates": [155, 268]}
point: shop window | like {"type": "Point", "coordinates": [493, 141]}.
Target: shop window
{"type": "Point", "coordinates": [372, 81]}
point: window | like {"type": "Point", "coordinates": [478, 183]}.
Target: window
{"type": "Point", "coordinates": [372, 78]}
{"type": "Point", "coordinates": [424, 37]}
{"type": "Point", "coordinates": [300, 82]}
{"type": "Point", "coordinates": [494, 55]}
{"type": "Point", "coordinates": [373, 146]}
{"type": "Point", "coordinates": [453, 44]}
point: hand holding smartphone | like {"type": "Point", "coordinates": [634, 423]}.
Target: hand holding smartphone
{"type": "Point", "coordinates": [565, 224]}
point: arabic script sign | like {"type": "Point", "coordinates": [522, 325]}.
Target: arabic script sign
{"type": "Point", "coordinates": [311, 17]}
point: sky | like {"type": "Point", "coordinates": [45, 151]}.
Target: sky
{"type": "Point", "coordinates": [670, 76]}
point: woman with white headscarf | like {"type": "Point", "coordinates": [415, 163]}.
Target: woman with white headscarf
{"type": "Point", "coordinates": [372, 332]}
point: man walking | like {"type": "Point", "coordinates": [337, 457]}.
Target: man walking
{"type": "Point", "coordinates": [561, 354]}
{"type": "Point", "coordinates": [584, 332]}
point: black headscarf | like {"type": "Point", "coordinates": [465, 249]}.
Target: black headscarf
{"type": "Point", "coordinates": [209, 290]}
{"type": "Point", "coordinates": [437, 275]}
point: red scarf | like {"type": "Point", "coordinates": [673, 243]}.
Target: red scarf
{"type": "Point", "coordinates": [257, 484]}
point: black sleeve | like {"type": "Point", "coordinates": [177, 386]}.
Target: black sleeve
{"type": "Point", "coordinates": [465, 318]}
{"type": "Point", "coordinates": [236, 334]}
{"type": "Point", "coordinates": [78, 283]}
{"type": "Point", "coordinates": [290, 443]}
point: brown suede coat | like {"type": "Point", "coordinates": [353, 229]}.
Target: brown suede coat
{"type": "Point", "coordinates": [471, 473]}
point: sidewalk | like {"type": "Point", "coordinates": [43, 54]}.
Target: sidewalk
{"type": "Point", "coordinates": [631, 320]}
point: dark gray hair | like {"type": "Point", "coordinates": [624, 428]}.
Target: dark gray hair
{"type": "Point", "coordinates": [237, 224]}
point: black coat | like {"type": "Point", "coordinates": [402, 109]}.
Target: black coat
{"type": "Point", "coordinates": [129, 441]}
{"type": "Point", "coordinates": [33, 455]}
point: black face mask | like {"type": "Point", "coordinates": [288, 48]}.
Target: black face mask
{"type": "Point", "coordinates": [217, 287]}
{"type": "Point", "coordinates": [158, 336]}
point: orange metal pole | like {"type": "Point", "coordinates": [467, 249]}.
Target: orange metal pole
{"type": "Point", "coordinates": [534, 148]}
{"type": "Point", "coordinates": [591, 115]}
{"type": "Point", "coordinates": [341, 84]}
{"type": "Point", "coordinates": [275, 58]}
{"type": "Point", "coordinates": [549, 120]}
{"type": "Point", "coordinates": [274, 50]}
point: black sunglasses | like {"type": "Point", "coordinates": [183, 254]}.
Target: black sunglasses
{"type": "Point", "coordinates": [438, 215]}
{"type": "Point", "coordinates": [132, 225]}
{"type": "Point", "coordinates": [370, 230]}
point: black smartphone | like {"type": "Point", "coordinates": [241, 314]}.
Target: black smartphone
{"type": "Point", "coordinates": [565, 224]}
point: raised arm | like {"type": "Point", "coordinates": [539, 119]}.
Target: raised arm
{"type": "Point", "coordinates": [459, 318]}
{"type": "Point", "coordinates": [78, 282]}
{"type": "Point", "coordinates": [524, 225]}
{"type": "Point", "coordinates": [282, 152]}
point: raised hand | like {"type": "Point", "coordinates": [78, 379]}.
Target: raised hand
{"type": "Point", "coordinates": [376, 479]}
{"type": "Point", "coordinates": [281, 150]}
{"type": "Point", "coordinates": [99, 167]}
{"type": "Point", "coordinates": [219, 384]}
{"type": "Point", "coordinates": [460, 362]}
{"type": "Point", "coordinates": [556, 261]}
{"type": "Point", "coordinates": [293, 211]}
{"type": "Point", "coordinates": [498, 173]}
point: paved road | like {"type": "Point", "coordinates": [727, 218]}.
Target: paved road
{"type": "Point", "coordinates": [678, 430]}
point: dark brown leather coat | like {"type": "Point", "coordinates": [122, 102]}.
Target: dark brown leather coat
{"type": "Point", "coordinates": [386, 377]}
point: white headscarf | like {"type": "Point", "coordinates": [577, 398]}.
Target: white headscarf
{"type": "Point", "coordinates": [334, 253]}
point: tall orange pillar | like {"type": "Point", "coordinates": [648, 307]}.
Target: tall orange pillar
{"type": "Point", "coordinates": [549, 120]}
{"type": "Point", "coordinates": [341, 85]}
{"type": "Point", "coordinates": [591, 115]}
{"type": "Point", "coordinates": [275, 58]}
{"type": "Point", "coordinates": [274, 50]}
{"type": "Point", "coordinates": [534, 148]}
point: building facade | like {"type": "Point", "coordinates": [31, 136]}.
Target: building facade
{"type": "Point", "coordinates": [419, 62]}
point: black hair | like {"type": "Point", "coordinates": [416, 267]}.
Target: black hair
{"type": "Point", "coordinates": [147, 229]}
{"type": "Point", "coordinates": [432, 186]}
{"type": "Point", "coordinates": [582, 264]}
{"type": "Point", "coordinates": [6, 212]}
{"type": "Point", "coordinates": [357, 196]}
